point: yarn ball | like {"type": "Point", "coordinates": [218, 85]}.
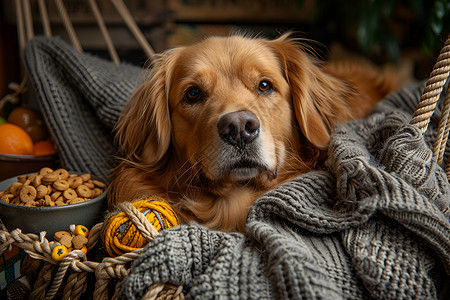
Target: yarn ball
{"type": "Point", "coordinates": [120, 235]}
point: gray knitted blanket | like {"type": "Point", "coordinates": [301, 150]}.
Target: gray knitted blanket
{"type": "Point", "coordinates": [370, 226]}
{"type": "Point", "coordinates": [81, 97]}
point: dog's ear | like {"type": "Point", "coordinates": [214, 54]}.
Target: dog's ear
{"type": "Point", "coordinates": [319, 99]}
{"type": "Point", "coordinates": [143, 131]}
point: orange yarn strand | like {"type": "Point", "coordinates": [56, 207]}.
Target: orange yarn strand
{"type": "Point", "coordinates": [120, 235]}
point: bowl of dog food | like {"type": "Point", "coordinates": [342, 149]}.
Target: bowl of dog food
{"type": "Point", "coordinates": [51, 200]}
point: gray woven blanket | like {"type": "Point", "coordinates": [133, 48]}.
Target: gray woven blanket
{"type": "Point", "coordinates": [81, 97]}
{"type": "Point", "coordinates": [370, 226]}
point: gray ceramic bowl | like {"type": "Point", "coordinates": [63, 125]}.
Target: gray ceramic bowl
{"type": "Point", "coordinates": [51, 219]}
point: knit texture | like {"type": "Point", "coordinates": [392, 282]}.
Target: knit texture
{"type": "Point", "coordinates": [81, 96]}
{"type": "Point", "coordinates": [370, 226]}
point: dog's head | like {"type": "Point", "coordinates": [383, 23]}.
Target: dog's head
{"type": "Point", "coordinates": [232, 109]}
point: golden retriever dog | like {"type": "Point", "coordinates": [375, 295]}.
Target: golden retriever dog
{"type": "Point", "coordinates": [221, 122]}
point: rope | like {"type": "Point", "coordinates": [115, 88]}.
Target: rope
{"type": "Point", "coordinates": [139, 220]}
{"type": "Point", "coordinates": [433, 89]}
{"type": "Point", "coordinates": [28, 242]}
{"type": "Point", "coordinates": [28, 19]}
{"type": "Point", "coordinates": [443, 130]}
{"type": "Point", "coordinates": [104, 31]}
{"type": "Point", "coordinates": [44, 279]}
{"type": "Point", "coordinates": [62, 270]}
{"type": "Point", "coordinates": [112, 268]}
{"type": "Point", "coordinates": [94, 235]}
{"type": "Point", "coordinates": [18, 90]}
{"type": "Point", "coordinates": [45, 19]}
{"type": "Point", "coordinates": [28, 266]}
{"type": "Point", "coordinates": [20, 28]}
{"type": "Point", "coordinates": [116, 290]}
{"type": "Point", "coordinates": [75, 286]}
{"type": "Point", "coordinates": [68, 25]}
{"type": "Point", "coordinates": [129, 21]}
{"type": "Point", "coordinates": [38, 247]}
{"type": "Point", "coordinates": [153, 292]}
{"type": "Point", "coordinates": [164, 291]}
{"type": "Point", "coordinates": [23, 36]}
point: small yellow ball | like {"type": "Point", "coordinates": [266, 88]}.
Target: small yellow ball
{"type": "Point", "coordinates": [81, 230]}
{"type": "Point", "coordinates": [59, 252]}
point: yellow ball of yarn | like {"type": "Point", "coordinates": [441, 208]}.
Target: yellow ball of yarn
{"type": "Point", "coordinates": [120, 235]}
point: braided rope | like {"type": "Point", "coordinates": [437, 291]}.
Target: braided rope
{"type": "Point", "coordinates": [443, 130]}
{"type": "Point", "coordinates": [139, 220]}
{"type": "Point", "coordinates": [43, 281]}
{"type": "Point", "coordinates": [447, 173]}
{"type": "Point", "coordinates": [39, 248]}
{"type": "Point", "coordinates": [62, 270]}
{"type": "Point", "coordinates": [31, 243]}
{"type": "Point", "coordinates": [94, 236]}
{"type": "Point", "coordinates": [75, 286]}
{"type": "Point", "coordinates": [153, 292]}
{"type": "Point", "coordinates": [116, 290]}
{"type": "Point", "coordinates": [433, 89]}
{"type": "Point", "coordinates": [164, 291]}
{"type": "Point", "coordinates": [112, 268]}
{"type": "Point", "coordinates": [28, 266]}
{"type": "Point", "coordinates": [103, 279]}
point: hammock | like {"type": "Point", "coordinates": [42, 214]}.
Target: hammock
{"type": "Point", "coordinates": [373, 225]}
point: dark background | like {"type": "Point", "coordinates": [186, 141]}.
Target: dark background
{"type": "Point", "coordinates": [408, 34]}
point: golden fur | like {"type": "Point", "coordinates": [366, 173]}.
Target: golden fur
{"type": "Point", "coordinates": [169, 140]}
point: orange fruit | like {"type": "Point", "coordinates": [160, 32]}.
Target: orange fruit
{"type": "Point", "coordinates": [44, 147]}
{"type": "Point", "coordinates": [15, 140]}
{"type": "Point", "coordinates": [30, 120]}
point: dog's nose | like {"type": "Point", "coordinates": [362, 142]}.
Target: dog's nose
{"type": "Point", "coordinates": [238, 128]}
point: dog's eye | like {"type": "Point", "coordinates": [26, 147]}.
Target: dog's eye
{"type": "Point", "coordinates": [265, 86]}
{"type": "Point", "coordinates": [193, 95]}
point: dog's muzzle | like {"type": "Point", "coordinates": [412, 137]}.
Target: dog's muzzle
{"type": "Point", "coordinates": [238, 128]}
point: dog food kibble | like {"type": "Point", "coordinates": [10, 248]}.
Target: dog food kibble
{"type": "Point", "coordinates": [50, 187]}
{"type": "Point", "coordinates": [66, 240]}
{"type": "Point", "coordinates": [75, 182]}
{"type": "Point", "coordinates": [61, 185]}
{"type": "Point", "coordinates": [59, 234]}
{"type": "Point", "coordinates": [76, 239]}
{"type": "Point", "coordinates": [79, 241]}
{"type": "Point", "coordinates": [70, 194]}
{"type": "Point", "coordinates": [84, 191]}
{"type": "Point", "coordinates": [41, 191]}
